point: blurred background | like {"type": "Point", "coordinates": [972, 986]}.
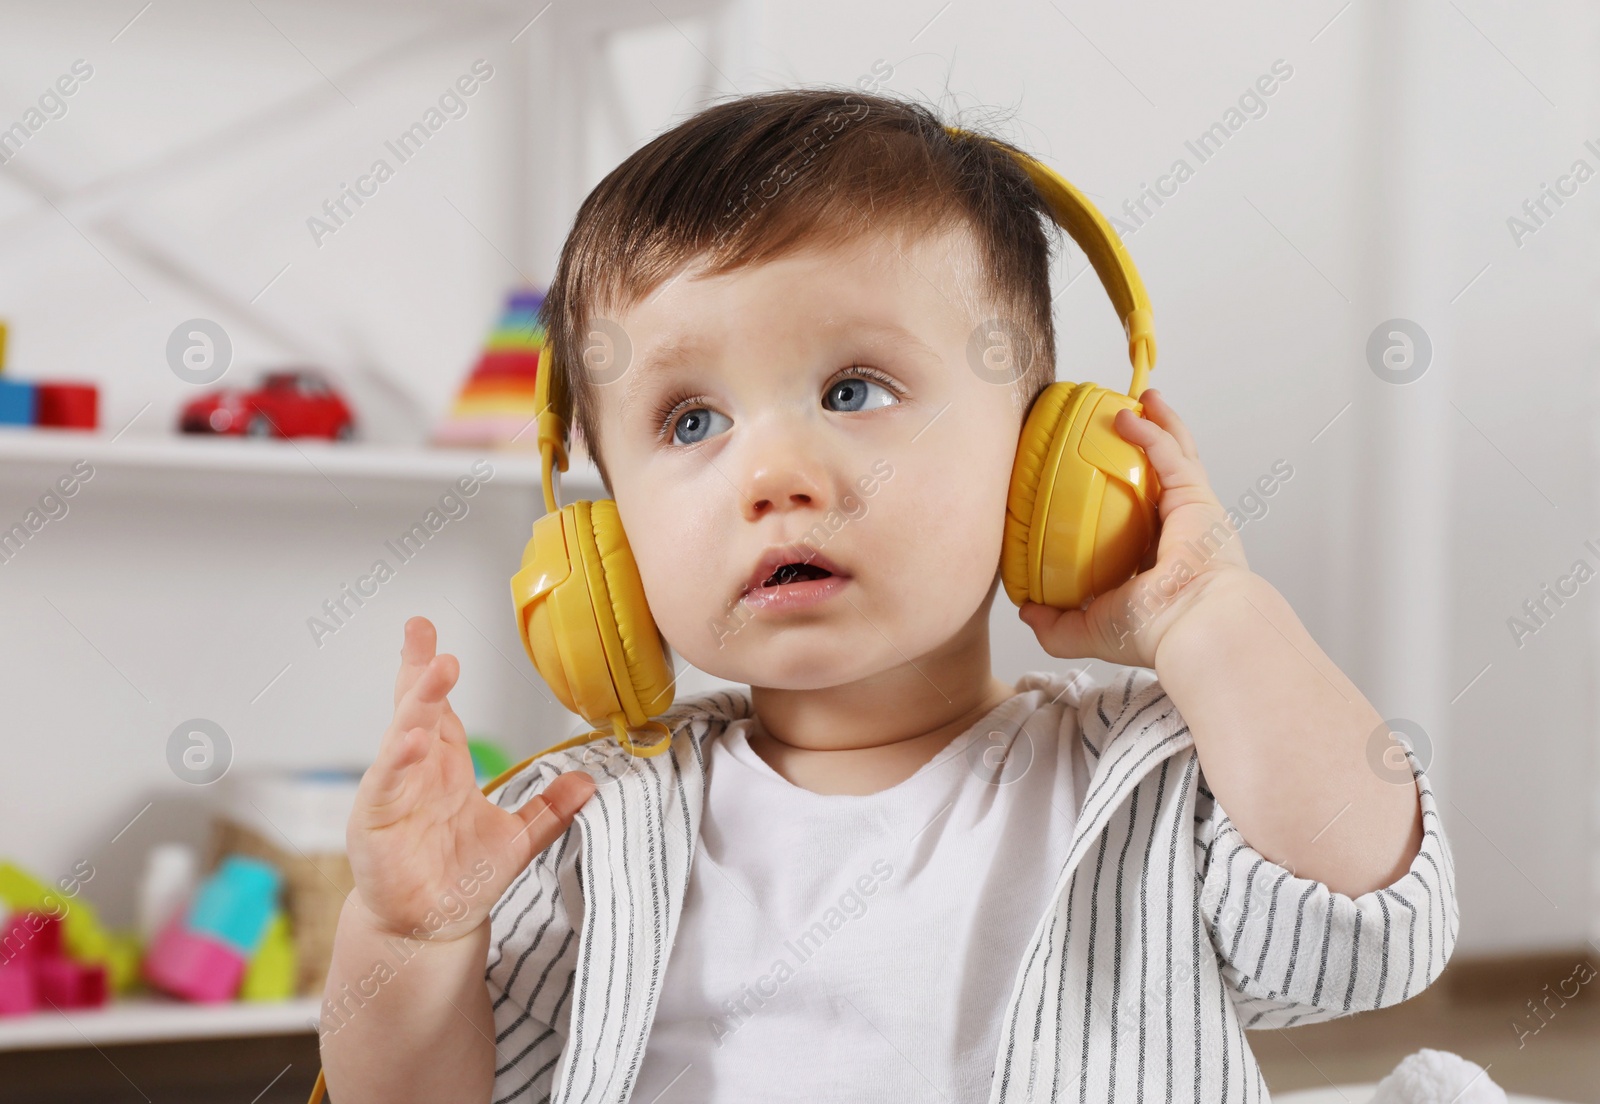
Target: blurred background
{"type": "Point", "coordinates": [1374, 279]}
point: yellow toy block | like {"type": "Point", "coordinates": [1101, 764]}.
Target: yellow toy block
{"type": "Point", "coordinates": [271, 973]}
{"type": "Point", "coordinates": [124, 954]}
{"type": "Point", "coordinates": [85, 937]}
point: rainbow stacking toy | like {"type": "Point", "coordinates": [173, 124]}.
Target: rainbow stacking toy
{"type": "Point", "coordinates": [495, 406]}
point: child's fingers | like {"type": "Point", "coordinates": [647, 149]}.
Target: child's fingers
{"type": "Point", "coordinates": [451, 729]}
{"type": "Point", "coordinates": [1161, 412]}
{"type": "Point", "coordinates": [400, 749]}
{"type": "Point", "coordinates": [416, 650]}
{"type": "Point", "coordinates": [1159, 445]}
{"type": "Point", "coordinates": [1062, 633]}
{"type": "Point", "coordinates": [549, 813]}
{"type": "Point", "coordinates": [423, 705]}
{"type": "Point", "coordinates": [1182, 480]}
{"type": "Point", "coordinates": [1069, 634]}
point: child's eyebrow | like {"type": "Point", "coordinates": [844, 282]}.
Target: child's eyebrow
{"type": "Point", "coordinates": [668, 355]}
{"type": "Point", "coordinates": [892, 335]}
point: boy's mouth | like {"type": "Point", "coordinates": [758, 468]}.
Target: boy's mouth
{"type": "Point", "coordinates": [794, 572]}
{"type": "Point", "coordinates": [790, 564]}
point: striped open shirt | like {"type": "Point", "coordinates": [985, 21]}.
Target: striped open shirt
{"type": "Point", "coordinates": [1167, 937]}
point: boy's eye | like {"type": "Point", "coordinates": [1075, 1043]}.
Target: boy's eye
{"type": "Point", "coordinates": [853, 394]}
{"type": "Point", "coordinates": [693, 427]}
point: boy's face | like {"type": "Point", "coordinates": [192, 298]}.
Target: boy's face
{"type": "Point", "coordinates": [783, 443]}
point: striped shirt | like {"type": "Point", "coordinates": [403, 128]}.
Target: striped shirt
{"type": "Point", "coordinates": [1167, 936]}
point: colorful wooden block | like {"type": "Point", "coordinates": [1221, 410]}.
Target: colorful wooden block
{"type": "Point", "coordinates": [83, 935]}
{"type": "Point", "coordinates": [123, 952]}
{"type": "Point", "coordinates": [18, 400]}
{"type": "Point", "coordinates": [66, 405]}
{"type": "Point", "coordinates": [18, 995]}
{"type": "Point", "coordinates": [31, 935]}
{"type": "Point", "coordinates": [235, 904]}
{"type": "Point", "coordinates": [193, 966]}
{"type": "Point", "coordinates": [63, 983]}
{"type": "Point", "coordinates": [271, 973]}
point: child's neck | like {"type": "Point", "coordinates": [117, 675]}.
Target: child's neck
{"type": "Point", "coordinates": [869, 769]}
{"type": "Point", "coordinates": [869, 735]}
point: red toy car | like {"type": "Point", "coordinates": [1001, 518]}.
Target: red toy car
{"type": "Point", "coordinates": [294, 402]}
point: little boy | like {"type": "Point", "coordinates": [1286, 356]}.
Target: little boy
{"type": "Point", "coordinates": [882, 874]}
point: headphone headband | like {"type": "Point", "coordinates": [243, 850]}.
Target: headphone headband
{"type": "Point", "coordinates": [1071, 210]}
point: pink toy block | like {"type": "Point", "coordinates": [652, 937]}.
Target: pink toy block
{"type": "Point", "coordinates": [18, 995]}
{"type": "Point", "coordinates": [192, 966]}
{"type": "Point", "coordinates": [31, 935]}
{"type": "Point", "coordinates": [63, 983]}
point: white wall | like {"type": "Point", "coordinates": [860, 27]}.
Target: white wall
{"type": "Point", "coordinates": [1376, 185]}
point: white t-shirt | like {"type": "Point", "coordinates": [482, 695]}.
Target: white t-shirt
{"type": "Point", "coordinates": [850, 947]}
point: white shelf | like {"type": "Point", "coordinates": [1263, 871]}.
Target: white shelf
{"type": "Point", "coordinates": [23, 450]}
{"type": "Point", "coordinates": [154, 1020]}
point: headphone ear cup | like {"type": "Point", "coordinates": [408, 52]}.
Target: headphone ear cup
{"type": "Point", "coordinates": [644, 675]}
{"type": "Point", "coordinates": [1081, 516]}
{"type": "Point", "coordinates": [1017, 572]}
{"type": "Point", "coordinates": [583, 618]}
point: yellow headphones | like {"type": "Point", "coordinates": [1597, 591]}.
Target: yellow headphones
{"type": "Point", "coordinates": [1080, 517]}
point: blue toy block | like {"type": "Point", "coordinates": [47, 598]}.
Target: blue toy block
{"type": "Point", "coordinates": [19, 402]}
{"type": "Point", "coordinates": [235, 904]}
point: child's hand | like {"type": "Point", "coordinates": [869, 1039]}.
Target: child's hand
{"type": "Point", "coordinates": [1198, 547]}
{"type": "Point", "coordinates": [429, 852]}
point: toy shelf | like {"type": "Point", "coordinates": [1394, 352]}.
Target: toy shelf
{"type": "Point", "coordinates": [23, 450]}
{"type": "Point", "coordinates": [154, 1020]}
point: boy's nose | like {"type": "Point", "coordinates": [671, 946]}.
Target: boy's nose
{"type": "Point", "coordinates": [778, 490]}
{"type": "Point", "coordinates": [780, 477]}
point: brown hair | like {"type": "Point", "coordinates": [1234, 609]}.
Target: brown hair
{"type": "Point", "coordinates": [749, 179]}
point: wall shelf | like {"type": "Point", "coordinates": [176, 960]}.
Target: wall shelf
{"type": "Point", "coordinates": [154, 1020]}
{"type": "Point", "coordinates": [24, 452]}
